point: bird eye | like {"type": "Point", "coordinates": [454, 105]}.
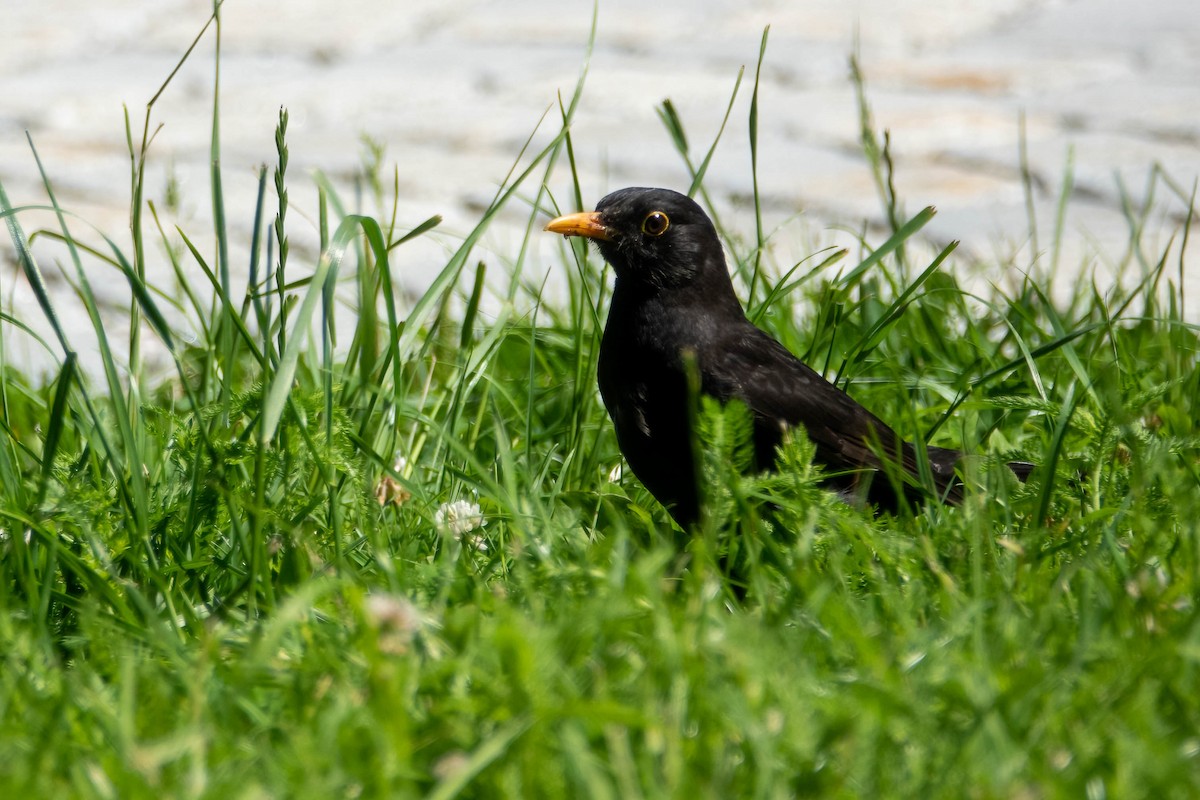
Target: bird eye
{"type": "Point", "coordinates": [655, 223]}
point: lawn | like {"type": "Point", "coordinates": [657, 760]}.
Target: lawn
{"type": "Point", "coordinates": [402, 559]}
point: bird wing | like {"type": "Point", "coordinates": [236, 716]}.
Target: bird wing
{"type": "Point", "coordinates": [782, 391]}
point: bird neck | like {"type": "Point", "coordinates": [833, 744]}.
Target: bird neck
{"type": "Point", "coordinates": [706, 288]}
{"type": "Point", "coordinates": [702, 294]}
{"type": "Point", "coordinates": [667, 319]}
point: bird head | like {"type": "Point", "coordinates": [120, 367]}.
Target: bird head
{"type": "Point", "coordinates": [655, 237]}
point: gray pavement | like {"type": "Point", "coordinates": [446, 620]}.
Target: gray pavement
{"type": "Point", "coordinates": [452, 89]}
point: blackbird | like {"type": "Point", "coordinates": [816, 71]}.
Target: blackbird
{"type": "Point", "coordinates": [673, 310]}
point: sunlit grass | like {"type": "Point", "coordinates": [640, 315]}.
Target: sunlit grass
{"type": "Point", "coordinates": [405, 562]}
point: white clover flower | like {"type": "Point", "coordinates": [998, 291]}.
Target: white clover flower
{"type": "Point", "coordinates": [450, 765]}
{"type": "Point", "coordinates": [395, 618]}
{"type": "Point", "coordinates": [459, 517]}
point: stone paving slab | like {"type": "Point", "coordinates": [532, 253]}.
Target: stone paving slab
{"type": "Point", "coordinates": [453, 88]}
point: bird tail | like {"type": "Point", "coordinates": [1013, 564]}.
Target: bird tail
{"type": "Point", "coordinates": [942, 462]}
{"type": "Point", "coordinates": [1021, 469]}
{"type": "Point", "coordinates": [901, 483]}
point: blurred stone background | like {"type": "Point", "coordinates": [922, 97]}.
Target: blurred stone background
{"type": "Point", "coordinates": [451, 89]}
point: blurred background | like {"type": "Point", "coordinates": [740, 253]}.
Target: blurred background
{"type": "Point", "coordinates": [447, 92]}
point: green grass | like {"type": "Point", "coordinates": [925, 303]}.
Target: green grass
{"type": "Point", "coordinates": [233, 582]}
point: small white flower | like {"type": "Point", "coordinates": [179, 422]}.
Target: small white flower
{"type": "Point", "coordinates": [392, 611]}
{"type": "Point", "coordinates": [395, 618]}
{"type": "Point", "coordinates": [459, 517]}
{"type": "Point", "coordinates": [400, 465]}
{"type": "Point", "coordinates": [450, 765]}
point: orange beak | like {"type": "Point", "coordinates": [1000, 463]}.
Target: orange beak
{"type": "Point", "coordinates": [587, 224]}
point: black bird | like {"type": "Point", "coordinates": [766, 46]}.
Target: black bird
{"type": "Point", "coordinates": [674, 301]}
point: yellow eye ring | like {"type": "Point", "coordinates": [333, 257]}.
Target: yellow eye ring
{"type": "Point", "coordinates": [655, 223]}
